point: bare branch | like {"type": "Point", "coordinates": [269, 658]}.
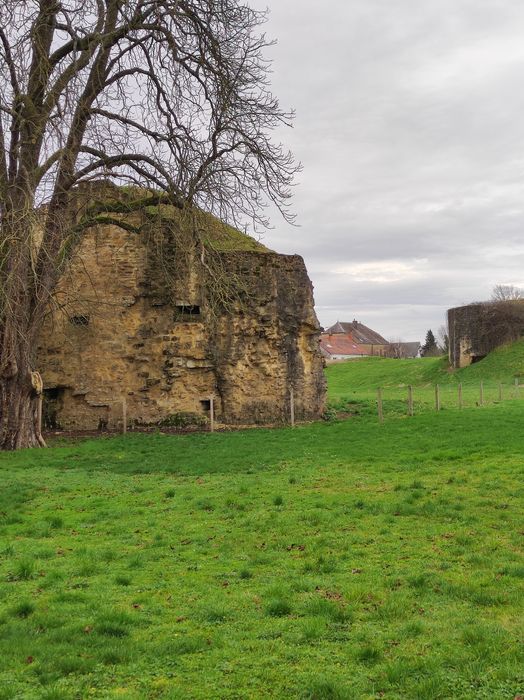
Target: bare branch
{"type": "Point", "coordinates": [165, 94]}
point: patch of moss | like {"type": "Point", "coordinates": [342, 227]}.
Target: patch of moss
{"type": "Point", "coordinates": [216, 234]}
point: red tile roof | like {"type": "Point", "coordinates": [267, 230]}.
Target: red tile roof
{"type": "Point", "coordinates": [361, 333]}
{"type": "Point", "coordinates": [338, 344]}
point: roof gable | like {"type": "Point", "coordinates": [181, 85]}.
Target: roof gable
{"type": "Point", "coordinates": [360, 333]}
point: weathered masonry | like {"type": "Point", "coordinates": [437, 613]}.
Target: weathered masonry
{"type": "Point", "coordinates": [477, 329]}
{"type": "Point", "coordinates": [164, 323]}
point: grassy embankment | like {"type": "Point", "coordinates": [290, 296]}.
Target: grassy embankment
{"type": "Point", "coordinates": [338, 560]}
{"type": "Point", "coordinates": [353, 385]}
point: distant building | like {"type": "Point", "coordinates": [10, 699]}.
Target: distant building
{"type": "Point", "coordinates": [344, 341]}
{"type": "Point", "coordinates": [407, 351]}
{"type": "Point", "coordinates": [367, 341]}
{"type": "Point", "coordinates": [339, 347]}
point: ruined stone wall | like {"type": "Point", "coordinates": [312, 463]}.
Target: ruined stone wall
{"type": "Point", "coordinates": [271, 343]}
{"type": "Point", "coordinates": [123, 326]}
{"type": "Point", "coordinates": [477, 329]}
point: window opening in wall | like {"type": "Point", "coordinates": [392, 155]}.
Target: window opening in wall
{"type": "Point", "coordinates": [187, 310]}
{"type": "Point", "coordinates": [206, 404]}
{"type": "Point", "coordinates": [80, 320]}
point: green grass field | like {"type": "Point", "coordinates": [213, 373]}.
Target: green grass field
{"type": "Point", "coordinates": [353, 385]}
{"type": "Point", "coordinates": [344, 559]}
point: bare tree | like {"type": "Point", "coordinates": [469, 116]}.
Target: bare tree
{"type": "Point", "coordinates": [443, 339]}
{"type": "Point", "coordinates": [169, 95]}
{"type": "Point", "coordinates": [396, 349]}
{"type": "Point", "coordinates": [506, 292]}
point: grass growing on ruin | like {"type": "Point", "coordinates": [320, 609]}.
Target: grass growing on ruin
{"type": "Point", "coordinates": [216, 234]}
{"type": "Point", "coordinates": [338, 560]}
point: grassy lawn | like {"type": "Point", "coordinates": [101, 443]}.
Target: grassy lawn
{"type": "Point", "coordinates": [337, 560]}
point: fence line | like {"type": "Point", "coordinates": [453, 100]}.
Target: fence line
{"type": "Point", "coordinates": [419, 398]}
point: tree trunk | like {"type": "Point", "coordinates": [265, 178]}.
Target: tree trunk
{"type": "Point", "coordinates": [19, 327]}
{"type": "Point", "coordinates": [18, 415]}
{"type": "Point", "coordinates": [19, 396]}
{"type": "Point", "coordinates": [19, 412]}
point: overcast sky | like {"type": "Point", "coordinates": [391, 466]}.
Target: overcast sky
{"type": "Point", "coordinates": [410, 128]}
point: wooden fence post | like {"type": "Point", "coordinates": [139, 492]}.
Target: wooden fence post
{"type": "Point", "coordinates": [481, 396]}
{"type": "Point", "coordinates": [410, 400]}
{"type": "Point", "coordinates": [124, 416]}
{"type": "Point", "coordinates": [461, 404]}
{"type": "Point", "coordinates": [212, 413]}
{"type": "Point", "coordinates": [292, 406]}
{"type": "Point", "coordinates": [437, 397]}
{"type": "Point", "coordinates": [379, 405]}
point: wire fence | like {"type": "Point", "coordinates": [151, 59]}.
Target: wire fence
{"type": "Point", "coordinates": [409, 400]}
{"type": "Point", "coordinates": [383, 402]}
{"type": "Point", "coordinates": [412, 400]}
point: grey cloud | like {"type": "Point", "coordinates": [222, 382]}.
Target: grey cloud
{"type": "Point", "coordinates": [409, 128]}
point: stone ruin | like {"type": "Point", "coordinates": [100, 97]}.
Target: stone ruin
{"type": "Point", "coordinates": [477, 329]}
{"type": "Point", "coordinates": [164, 321]}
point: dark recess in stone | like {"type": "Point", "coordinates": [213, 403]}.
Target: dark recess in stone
{"type": "Point", "coordinates": [477, 358]}
{"type": "Point", "coordinates": [79, 320]}
{"type": "Point", "coordinates": [51, 407]}
{"type": "Point", "coordinates": [185, 310]}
